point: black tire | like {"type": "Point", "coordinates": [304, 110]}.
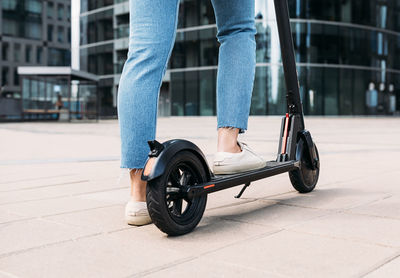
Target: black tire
{"type": "Point", "coordinates": [167, 209]}
{"type": "Point", "coordinates": [304, 179]}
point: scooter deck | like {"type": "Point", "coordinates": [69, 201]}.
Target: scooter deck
{"type": "Point", "coordinates": [220, 182]}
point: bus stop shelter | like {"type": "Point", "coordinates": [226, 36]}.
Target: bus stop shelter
{"type": "Point", "coordinates": [58, 93]}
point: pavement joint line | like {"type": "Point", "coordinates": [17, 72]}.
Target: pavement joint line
{"type": "Point", "coordinates": [61, 213]}
{"type": "Point", "coordinates": [371, 215]}
{"type": "Point", "coordinates": [274, 195]}
{"type": "Point", "coordinates": [329, 212]}
{"type": "Point", "coordinates": [47, 177]}
{"type": "Point", "coordinates": [178, 262]}
{"type": "Point", "coordinates": [386, 195]}
{"type": "Point", "coordinates": [356, 240]}
{"type": "Point", "coordinates": [7, 274]}
{"type": "Point", "coordinates": [62, 196]}
{"type": "Point", "coordinates": [94, 234]}
{"type": "Point", "coordinates": [80, 210]}
{"type": "Point", "coordinates": [162, 267]}
{"type": "Point", "coordinates": [56, 161]}
{"type": "Point", "coordinates": [21, 251]}
{"type": "Point", "coordinates": [100, 191]}
{"type": "Point", "coordinates": [377, 266]}
{"type": "Point", "coordinates": [282, 202]}
{"type": "Point", "coordinates": [43, 186]}
{"type": "Point", "coordinates": [232, 205]}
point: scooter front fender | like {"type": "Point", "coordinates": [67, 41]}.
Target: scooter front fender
{"type": "Point", "coordinates": [161, 154]}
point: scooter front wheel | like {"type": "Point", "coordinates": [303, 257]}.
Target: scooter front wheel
{"type": "Point", "coordinates": [169, 207]}
{"type": "Point", "coordinates": [306, 177]}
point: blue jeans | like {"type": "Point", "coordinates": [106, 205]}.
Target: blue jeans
{"type": "Point", "coordinates": [152, 34]}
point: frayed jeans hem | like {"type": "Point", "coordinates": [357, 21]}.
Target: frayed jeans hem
{"type": "Point", "coordinates": [241, 129]}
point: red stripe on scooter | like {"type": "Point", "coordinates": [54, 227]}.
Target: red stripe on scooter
{"type": "Point", "coordinates": [208, 186]}
{"type": "Point", "coordinates": [285, 134]}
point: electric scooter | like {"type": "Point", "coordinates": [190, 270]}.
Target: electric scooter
{"type": "Point", "coordinates": [179, 178]}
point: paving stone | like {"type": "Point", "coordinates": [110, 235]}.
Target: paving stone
{"type": "Point", "coordinates": [297, 254]}
{"type": "Point", "coordinates": [97, 256]}
{"type": "Point", "coordinates": [101, 219]}
{"type": "Point", "coordinates": [7, 216]}
{"type": "Point", "coordinates": [53, 206]}
{"type": "Point", "coordinates": [387, 207]}
{"type": "Point", "coordinates": [391, 269]}
{"type": "Point", "coordinates": [334, 198]}
{"type": "Point", "coordinates": [21, 235]}
{"type": "Point", "coordinates": [368, 229]}
{"type": "Point", "coordinates": [267, 213]}
{"type": "Point", "coordinates": [209, 268]}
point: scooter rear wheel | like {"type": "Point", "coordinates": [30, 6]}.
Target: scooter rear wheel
{"type": "Point", "coordinates": [169, 208]}
{"type": "Point", "coordinates": [305, 178]}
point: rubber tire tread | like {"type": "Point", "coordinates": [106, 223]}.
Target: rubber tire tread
{"type": "Point", "coordinates": [159, 212]}
{"type": "Point", "coordinates": [296, 179]}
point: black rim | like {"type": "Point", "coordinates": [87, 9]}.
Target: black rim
{"type": "Point", "coordinates": [180, 207]}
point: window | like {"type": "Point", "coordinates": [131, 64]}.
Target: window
{"type": "Point", "coordinates": [33, 30]}
{"type": "Point", "coordinates": [58, 57]}
{"type": "Point", "coordinates": [4, 76]}
{"type": "Point", "coordinates": [60, 11]}
{"type": "Point", "coordinates": [39, 55]}
{"type": "Point", "coordinates": [69, 35]}
{"type": "Point", "coordinates": [60, 34]}
{"type": "Point", "coordinates": [50, 33]}
{"type": "Point", "coordinates": [17, 52]}
{"type": "Point", "coordinates": [16, 77]}
{"type": "Point", "coordinates": [28, 53]}
{"type": "Point", "coordinates": [33, 6]}
{"type": "Point", "coordinates": [10, 27]}
{"type": "Point", "coordinates": [5, 51]}
{"type": "Point", "coordinates": [68, 13]}
{"type": "Point", "coordinates": [9, 4]}
{"type": "Point", "coordinates": [50, 9]}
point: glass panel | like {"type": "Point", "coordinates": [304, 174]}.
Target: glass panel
{"type": "Point", "coordinates": [262, 87]}
{"type": "Point", "coordinates": [50, 9]}
{"type": "Point", "coordinates": [177, 93]}
{"type": "Point", "coordinates": [346, 92]}
{"type": "Point", "coordinates": [97, 27]}
{"type": "Point", "coordinates": [33, 6]}
{"type": "Point", "coordinates": [330, 90]}
{"type": "Point", "coordinates": [207, 92]}
{"type": "Point", "coordinates": [26, 93]}
{"type": "Point", "coordinates": [9, 4]}
{"type": "Point", "coordinates": [60, 11]}
{"type": "Point", "coordinates": [5, 51]}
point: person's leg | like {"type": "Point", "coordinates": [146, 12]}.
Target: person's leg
{"type": "Point", "coordinates": [236, 69]}
{"type": "Point", "coordinates": [152, 34]}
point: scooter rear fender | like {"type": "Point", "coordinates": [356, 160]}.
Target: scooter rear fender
{"type": "Point", "coordinates": [161, 154]}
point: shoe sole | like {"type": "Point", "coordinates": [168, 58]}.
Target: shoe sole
{"type": "Point", "coordinates": [227, 170]}
{"type": "Point", "coordinates": [138, 220]}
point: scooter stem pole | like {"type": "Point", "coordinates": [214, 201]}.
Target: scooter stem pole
{"type": "Point", "coordinates": [294, 105]}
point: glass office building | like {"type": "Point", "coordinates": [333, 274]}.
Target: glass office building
{"type": "Point", "coordinates": [32, 33]}
{"type": "Point", "coordinates": [347, 53]}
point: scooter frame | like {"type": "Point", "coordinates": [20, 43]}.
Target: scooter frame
{"type": "Point", "coordinates": [295, 142]}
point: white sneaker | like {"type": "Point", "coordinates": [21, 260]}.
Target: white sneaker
{"type": "Point", "coordinates": [231, 163]}
{"type": "Point", "coordinates": [136, 213]}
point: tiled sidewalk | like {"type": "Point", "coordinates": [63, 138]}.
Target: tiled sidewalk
{"type": "Point", "coordinates": [62, 198]}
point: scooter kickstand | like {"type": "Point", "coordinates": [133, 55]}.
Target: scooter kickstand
{"type": "Point", "coordinates": [241, 191]}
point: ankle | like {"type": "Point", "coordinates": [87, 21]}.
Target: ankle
{"type": "Point", "coordinates": [138, 186]}
{"type": "Point", "coordinates": [229, 148]}
{"type": "Point", "coordinates": [227, 140]}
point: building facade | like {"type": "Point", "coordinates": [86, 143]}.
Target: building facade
{"type": "Point", "coordinates": [347, 53]}
{"type": "Point", "coordinates": [32, 33]}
